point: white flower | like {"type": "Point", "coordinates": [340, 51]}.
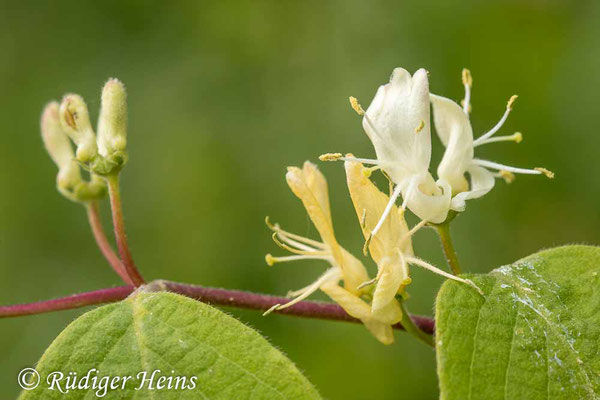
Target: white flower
{"type": "Point", "coordinates": [454, 129]}
{"type": "Point", "coordinates": [398, 124]}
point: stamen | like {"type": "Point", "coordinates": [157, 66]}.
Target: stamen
{"type": "Point", "coordinates": [310, 242]}
{"type": "Point", "coordinates": [420, 127]}
{"type": "Point", "coordinates": [502, 167]}
{"type": "Point", "coordinates": [467, 81]}
{"type": "Point", "coordinates": [339, 157]}
{"type": "Point", "coordinates": [367, 243]}
{"type": "Point", "coordinates": [363, 219]}
{"type": "Point", "coordinates": [426, 265]}
{"type": "Point", "coordinates": [387, 210]}
{"type": "Point", "coordinates": [366, 283]}
{"type": "Point", "coordinates": [270, 310]}
{"type": "Point", "coordinates": [356, 106]}
{"type": "Point", "coordinates": [497, 127]}
{"type": "Point", "coordinates": [516, 137]}
{"type": "Point", "coordinates": [413, 231]}
{"type": "Point", "coordinates": [304, 251]}
{"type": "Point", "coordinates": [296, 244]}
{"type": "Point", "coordinates": [272, 260]}
{"type": "Point", "coordinates": [329, 274]}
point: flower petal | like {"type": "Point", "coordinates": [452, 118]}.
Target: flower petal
{"type": "Point", "coordinates": [310, 186]}
{"type": "Point", "coordinates": [454, 129]}
{"type": "Point", "coordinates": [427, 199]}
{"type": "Point", "coordinates": [392, 277]}
{"type": "Point", "coordinates": [482, 181]}
{"type": "Point", "coordinates": [397, 122]}
{"type": "Point", "coordinates": [369, 203]}
{"type": "Point", "coordinates": [358, 308]}
{"type": "Point", "coordinates": [354, 272]}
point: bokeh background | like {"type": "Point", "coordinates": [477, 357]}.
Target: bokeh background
{"type": "Point", "coordinates": [224, 95]}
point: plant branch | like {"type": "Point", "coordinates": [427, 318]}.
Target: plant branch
{"type": "Point", "coordinates": [119, 227]}
{"type": "Point", "coordinates": [78, 300]}
{"type": "Point", "coordinates": [102, 242]}
{"type": "Point", "coordinates": [443, 231]}
{"type": "Point", "coordinates": [214, 296]}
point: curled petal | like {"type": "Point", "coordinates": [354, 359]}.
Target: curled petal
{"type": "Point", "coordinates": [427, 199]}
{"type": "Point", "coordinates": [310, 186]}
{"type": "Point", "coordinates": [358, 308]}
{"type": "Point", "coordinates": [454, 129]}
{"type": "Point", "coordinates": [482, 181]}
{"type": "Point", "coordinates": [393, 275]}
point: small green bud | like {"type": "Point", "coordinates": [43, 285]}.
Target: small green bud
{"type": "Point", "coordinates": [75, 121]}
{"type": "Point", "coordinates": [59, 147]}
{"type": "Point", "coordinates": [112, 124]}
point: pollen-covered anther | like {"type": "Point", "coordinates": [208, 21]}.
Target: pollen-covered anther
{"type": "Point", "coordinates": [517, 137]}
{"type": "Point", "coordinates": [467, 78]}
{"type": "Point", "coordinates": [356, 106]}
{"type": "Point", "coordinates": [546, 172]}
{"type": "Point", "coordinates": [330, 157]}
{"type": "Point", "coordinates": [508, 176]}
{"type": "Point", "coordinates": [270, 260]}
{"type": "Point", "coordinates": [511, 102]}
{"type": "Point", "coordinates": [420, 127]}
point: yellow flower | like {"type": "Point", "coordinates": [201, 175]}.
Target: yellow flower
{"type": "Point", "coordinates": [391, 244]}
{"type": "Point", "coordinates": [391, 247]}
{"type": "Point", "coordinates": [310, 186]}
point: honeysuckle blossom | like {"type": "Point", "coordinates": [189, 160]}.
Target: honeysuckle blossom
{"type": "Point", "coordinates": [391, 248]}
{"type": "Point", "coordinates": [454, 130]}
{"type": "Point", "coordinates": [310, 186]}
{"type": "Point", "coordinates": [398, 124]}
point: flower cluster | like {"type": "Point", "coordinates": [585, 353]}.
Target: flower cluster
{"type": "Point", "coordinates": [101, 156]}
{"type": "Point", "coordinates": [398, 124]}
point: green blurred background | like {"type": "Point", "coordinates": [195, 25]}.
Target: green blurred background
{"type": "Point", "coordinates": [224, 95]}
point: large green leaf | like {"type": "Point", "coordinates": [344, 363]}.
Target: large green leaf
{"type": "Point", "coordinates": [535, 334]}
{"type": "Point", "coordinates": [178, 336]}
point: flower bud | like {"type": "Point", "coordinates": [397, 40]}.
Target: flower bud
{"type": "Point", "coordinates": [75, 121]}
{"type": "Point", "coordinates": [59, 147]}
{"type": "Point", "coordinates": [112, 124]}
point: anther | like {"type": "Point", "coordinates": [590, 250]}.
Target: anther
{"type": "Point", "coordinates": [467, 79]}
{"type": "Point", "coordinates": [508, 176]}
{"type": "Point", "coordinates": [356, 106]}
{"type": "Point", "coordinates": [546, 172]}
{"type": "Point", "coordinates": [511, 101]}
{"type": "Point", "coordinates": [270, 260]}
{"type": "Point", "coordinates": [420, 127]}
{"type": "Point", "coordinates": [330, 157]}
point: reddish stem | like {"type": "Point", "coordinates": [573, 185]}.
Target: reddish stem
{"type": "Point", "coordinates": [103, 244]}
{"type": "Point", "coordinates": [214, 296]}
{"type": "Point", "coordinates": [78, 300]}
{"type": "Point", "coordinates": [119, 226]}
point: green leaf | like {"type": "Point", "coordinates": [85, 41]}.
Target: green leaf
{"type": "Point", "coordinates": [535, 334]}
{"type": "Point", "coordinates": [178, 336]}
